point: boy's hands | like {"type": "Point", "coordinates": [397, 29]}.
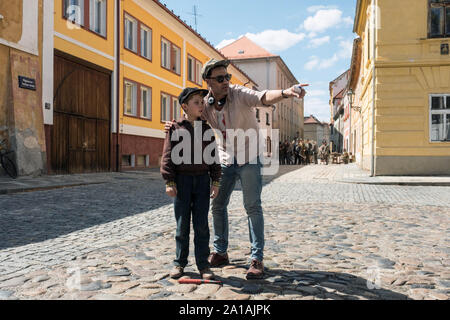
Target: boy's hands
{"type": "Point", "coordinates": [214, 192]}
{"type": "Point", "coordinates": [171, 191]}
{"type": "Point", "coordinates": [168, 125]}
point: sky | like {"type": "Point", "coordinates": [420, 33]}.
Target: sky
{"type": "Point", "coordinates": [313, 37]}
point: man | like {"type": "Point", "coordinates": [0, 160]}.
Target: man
{"type": "Point", "coordinates": [308, 152]}
{"type": "Point", "coordinates": [297, 153]}
{"type": "Point", "coordinates": [282, 155]}
{"type": "Point", "coordinates": [315, 151]}
{"type": "Point", "coordinates": [231, 107]}
{"type": "Point", "coordinates": [324, 152]}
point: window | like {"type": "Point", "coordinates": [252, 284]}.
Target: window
{"type": "Point", "coordinates": [146, 102]}
{"type": "Point", "coordinates": [137, 100]}
{"type": "Point", "coordinates": [439, 19]}
{"type": "Point", "coordinates": [130, 98]}
{"type": "Point", "coordinates": [440, 118]}
{"type": "Point", "coordinates": [194, 70]}
{"type": "Point", "coordinates": [137, 37]}
{"type": "Point", "coordinates": [142, 160]}
{"type": "Point", "coordinates": [146, 42]}
{"type": "Point", "coordinates": [267, 119]}
{"type": "Point", "coordinates": [165, 107]}
{"type": "Point", "coordinates": [130, 33]}
{"type": "Point", "coordinates": [176, 63]}
{"type": "Point", "coordinates": [191, 69]}
{"type": "Point", "coordinates": [170, 107]}
{"type": "Point", "coordinates": [198, 77]}
{"type": "Point", "coordinates": [170, 56]}
{"type": "Point", "coordinates": [126, 160]}
{"type": "Point", "coordinates": [165, 54]}
{"type": "Point", "coordinates": [89, 14]}
{"type": "Point", "coordinates": [176, 108]}
{"type": "Point", "coordinates": [97, 16]}
{"type": "Point", "coordinates": [257, 114]}
{"type": "Point", "coordinates": [74, 11]}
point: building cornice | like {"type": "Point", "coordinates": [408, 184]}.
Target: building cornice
{"type": "Point", "coordinates": [360, 16]}
{"type": "Point", "coordinates": [355, 65]}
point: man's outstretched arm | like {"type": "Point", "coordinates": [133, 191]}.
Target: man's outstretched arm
{"type": "Point", "coordinates": [274, 96]}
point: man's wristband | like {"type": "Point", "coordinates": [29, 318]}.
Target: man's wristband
{"type": "Point", "coordinates": [171, 184]}
{"type": "Point", "coordinates": [282, 94]}
{"type": "Point", "coordinates": [216, 183]}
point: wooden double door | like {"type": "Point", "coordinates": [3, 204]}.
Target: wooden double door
{"type": "Point", "coordinates": [80, 135]}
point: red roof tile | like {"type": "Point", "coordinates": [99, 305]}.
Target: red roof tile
{"type": "Point", "coordinates": [244, 48]}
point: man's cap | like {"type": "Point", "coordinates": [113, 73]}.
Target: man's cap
{"type": "Point", "coordinates": [213, 63]}
{"type": "Point", "coordinates": [184, 95]}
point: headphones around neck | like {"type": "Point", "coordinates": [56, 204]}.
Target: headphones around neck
{"type": "Point", "coordinates": [221, 102]}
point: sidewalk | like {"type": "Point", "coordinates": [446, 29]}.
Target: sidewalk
{"type": "Point", "coordinates": [47, 182]}
{"type": "Point", "coordinates": [351, 173]}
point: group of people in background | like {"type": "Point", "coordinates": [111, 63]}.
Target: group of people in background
{"type": "Point", "coordinates": [302, 152]}
{"type": "Point", "coordinates": [299, 151]}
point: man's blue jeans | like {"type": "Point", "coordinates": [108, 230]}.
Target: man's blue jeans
{"type": "Point", "coordinates": [251, 181]}
{"type": "Point", "coordinates": [193, 194]}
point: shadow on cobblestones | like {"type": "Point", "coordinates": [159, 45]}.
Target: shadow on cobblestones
{"type": "Point", "coordinates": [267, 179]}
{"type": "Point", "coordinates": [33, 217]}
{"type": "Point", "coordinates": [323, 285]}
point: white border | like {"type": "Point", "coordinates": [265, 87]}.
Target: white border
{"type": "Point", "coordinates": [81, 44]}
{"type": "Point", "coordinates": [142, 131]}
{"type": "Point", "coordinates": [47, 61]}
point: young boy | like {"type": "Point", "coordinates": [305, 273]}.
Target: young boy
{"type": "Point", "coordinates": [189, 184]}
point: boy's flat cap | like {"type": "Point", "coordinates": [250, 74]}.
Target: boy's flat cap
{"type": "Point", "coordinates": [184, 95]}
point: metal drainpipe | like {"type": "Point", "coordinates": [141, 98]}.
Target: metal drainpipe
{"type": "Point", "coordinates": [117, 30]}
{"type": "Point", "coordinates": [374, 25]}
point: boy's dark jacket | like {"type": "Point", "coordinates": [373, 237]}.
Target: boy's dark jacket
{"type": "Point", "coordinates": [169, 170]}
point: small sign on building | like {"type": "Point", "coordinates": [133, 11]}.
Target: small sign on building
{"type": "Point", "coordinates": [27, 83]}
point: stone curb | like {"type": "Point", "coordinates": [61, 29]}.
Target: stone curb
{"type": "Point", "coordinates": [43, 188]}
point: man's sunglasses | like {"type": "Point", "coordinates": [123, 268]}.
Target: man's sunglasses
{"type": "Point", "coordinates": [221, 78]}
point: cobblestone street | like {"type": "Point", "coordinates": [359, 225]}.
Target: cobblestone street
{"type": "Point", "coordinates": [324, 240]}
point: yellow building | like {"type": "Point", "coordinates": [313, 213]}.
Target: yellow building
{"type": "Point", "coordinates": [129, 58]}
{"type": "Point", "coordinates": [403, 87]}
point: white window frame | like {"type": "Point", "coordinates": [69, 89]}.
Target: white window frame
{"type": "Point", "coordinates": [176, 109]}
{"type": "Point", "coordinates": [165, 109]}
{"type": "Point", "coordinates": [146, 51]}
{"type": "Point", "coordinates": [167, 48]}
{"type": "Point", "coordinates": [443, 112]}
{"type": "Point", "coordinates": [176, 65]}
{"type": "Point", "coordinates": [148, 102]}
{"type": "Point", "coordinates": [165, 53]}
{"type": "Point", "coordinates": [95, 25]}
{"type": "Point", "coordinates": [198, 72]}
{"type": "Point", "coordinates": [191, 65]}
{"type": "Point", "coordinates": [134, 26]}
{"type": "Point", "coordinates": [133, 98]}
